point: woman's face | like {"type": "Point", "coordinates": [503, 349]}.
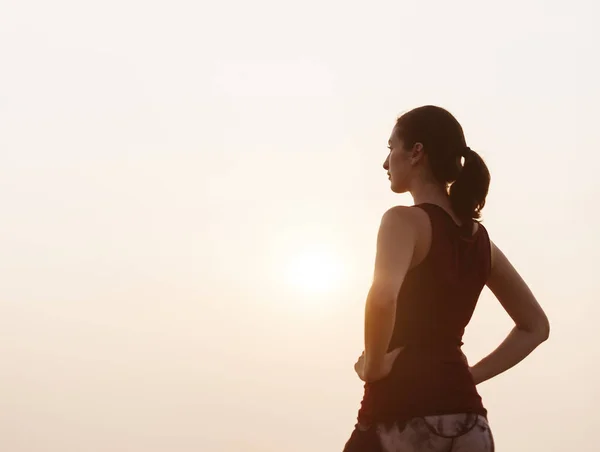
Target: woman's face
{"type": "Point", "coordinates": [398, 164]}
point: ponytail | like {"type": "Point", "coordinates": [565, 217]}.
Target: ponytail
{"type": "Point", "coordinates": [468, 192]}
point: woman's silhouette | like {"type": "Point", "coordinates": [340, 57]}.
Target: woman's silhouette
{"type": "Point", "coordinates": [433, 260]}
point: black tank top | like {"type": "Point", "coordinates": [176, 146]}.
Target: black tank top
{"type": "Point", "coordinates": [435, 303]}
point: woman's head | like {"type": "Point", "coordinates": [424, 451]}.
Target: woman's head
{"type": "Point", "coordinates": [428, 143]}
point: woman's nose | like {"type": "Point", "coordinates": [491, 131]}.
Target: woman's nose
{"type": "Point", "coordinates": [386, 164]}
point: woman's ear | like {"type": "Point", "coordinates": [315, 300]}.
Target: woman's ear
{"type": "Point", "coordinates": [417, 153]}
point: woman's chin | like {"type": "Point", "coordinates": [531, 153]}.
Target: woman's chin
{"type": "Point", "coordinates": [397, 189]}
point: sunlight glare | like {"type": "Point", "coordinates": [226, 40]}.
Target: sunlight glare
{"type": "Point", "coordinates": [314, 271]}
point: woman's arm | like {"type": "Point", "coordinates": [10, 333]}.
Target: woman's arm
{"type": "Point", "coordinates": [531, 324]}
{"type": "Point", "coordinates": [395, 246]}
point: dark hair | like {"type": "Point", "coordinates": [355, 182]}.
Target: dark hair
{"type": "Point", "coordinates": [444, 145]}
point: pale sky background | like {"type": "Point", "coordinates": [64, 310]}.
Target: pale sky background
{"type": "Point", "coordinates": [165, 165]}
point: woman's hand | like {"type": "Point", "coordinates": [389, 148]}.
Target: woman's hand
{"type": "Point", "coordinates": [381, 371]}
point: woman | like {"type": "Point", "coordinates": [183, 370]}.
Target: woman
{"type": "Point", "coordinates": [433, 260]}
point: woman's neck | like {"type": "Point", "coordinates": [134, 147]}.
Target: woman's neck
{"type": "Point", "coordinates": [430, 193]}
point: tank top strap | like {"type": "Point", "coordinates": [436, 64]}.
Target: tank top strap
{"type": "Point", "coordinates": [443, 220]}
{"type": "Point", "coordinates": [446, 233]}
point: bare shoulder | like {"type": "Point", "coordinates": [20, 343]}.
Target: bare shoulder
{"type": "Point", "coordinates": [399, 224]}
{"type": "Point", "coordinates": [411, 221]}
{"type": "Point", "coordinates": [406, 228]}
{"type": "Point", "coordinates": [409, 216]}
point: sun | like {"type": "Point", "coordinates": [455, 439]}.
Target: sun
{"type": "Point", "coordinates": [316, 271]}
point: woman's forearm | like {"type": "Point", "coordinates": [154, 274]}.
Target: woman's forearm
{"type": "Point", "coordinates": [517, 345]}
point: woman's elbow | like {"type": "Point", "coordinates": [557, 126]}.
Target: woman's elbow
{"type": "Point", "coordinates": [543, 330]}
{"type": "Point", "coordinates": [539, 330]}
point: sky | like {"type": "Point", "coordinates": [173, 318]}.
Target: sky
{"type": "Point", "coordinates": [190, 198]}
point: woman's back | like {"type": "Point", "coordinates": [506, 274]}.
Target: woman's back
{"type": "Point", "coordinates": [438, 296]}
{"type": "Point", "coordinates": [434, 305]}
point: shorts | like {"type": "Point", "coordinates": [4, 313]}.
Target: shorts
{"type": "Point", "coordinates": [465, 432]}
